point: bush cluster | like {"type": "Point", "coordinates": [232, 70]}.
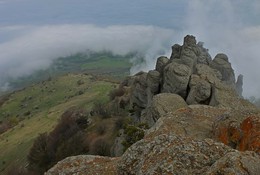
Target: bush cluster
{"type": "Point", "coordinates": [66, 139]}
{"type": "Point", "coordinates": [133, 134]}
{"type": "Point", "coordinates": [116, 93]}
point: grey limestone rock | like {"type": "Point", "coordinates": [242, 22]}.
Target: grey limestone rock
{"type": "Point", "coordinates": [200, 91]}
{"type": "Point", "coordinates": [176, 79]}
{"type": "Point", "coordinates": [161, 63]}
{"type": "Point", "coordinates": [171, 154]}
{"type": "Point", "coordinates": [162, 104]}
{"type": "Point", "coordinates": [138, 96]}
{"type": "Point", "coordinates": [153, 84]}
{"type": "Point", "coordinates": [221, 63]}
{"type": "Point", "coordinates": [239, 85]}
{"type": "Point", "coordinates": [246, 163]}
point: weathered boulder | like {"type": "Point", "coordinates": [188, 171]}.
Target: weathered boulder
{"type": "Point", "coordinates": [138, 96]}
{"type": "Point", "coordinates": [153, 84]}
{"type": "Point", "coordinates": [233, 163]}
{"type": "Point", "coordinates": [200, 91]}
{"type": "Point", "coordinates": [194, 121]}
{"type": "Point", "coordinates": [213, 76]}
{"type": "Point", "coordinates": [85, 164]}
{"type": "Point", "coordinates": [161, 63]}
{"type": "Point", "coordinates": [176, 52]}
{"type": "Point", "coordinates": [204, 56]}
{"type": "Point", "coordinates": [197, 121]}
{"type": "Point", "coordinates": [221, 63]}
{"type": "Point", "coordinates": [171, 154]}
{"type": "Point", "coordinates": [239, 85]}
{"type": "Point", "coordinates": [162, 104]}
{"type": "Point", "coordinates": [176, 79]}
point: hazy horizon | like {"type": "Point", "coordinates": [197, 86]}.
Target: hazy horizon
{"type": "Point", "coordinates": [34, 32]}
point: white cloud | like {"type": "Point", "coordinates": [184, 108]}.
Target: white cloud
{"type": "Point", "coordinates": [38, 46]}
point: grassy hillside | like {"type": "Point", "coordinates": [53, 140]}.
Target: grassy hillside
{"type": "Point", "coordinates": [36, 108]}
{"type": "Point", "coordinates": [101, 63]}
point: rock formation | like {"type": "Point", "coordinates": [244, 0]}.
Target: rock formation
{"type": "Point", "coordinates": [199, 122]}
{"type": "Point", "coordinates": [190, 73]}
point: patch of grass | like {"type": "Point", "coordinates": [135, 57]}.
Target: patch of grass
{"type": "Point", "coordinates": [105, 62]}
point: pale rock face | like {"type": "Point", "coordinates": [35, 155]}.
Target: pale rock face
{"type": "Point", "coordinates": [176, 78]}
{"type": "Point", "coordinates": [162, 104]}
{"type": "Point", "coordinates": [221, 63]}
{"type": "Point", "coordinates": [239, 85]}
{"type": "Point", "coordinates": [236, 163]}
{"type": "Point", "coordinates": [200, 91]}
{"type": "Point", "coordinates": [161, 63]}
{"type": "Point", "coordinates": [171, 154]}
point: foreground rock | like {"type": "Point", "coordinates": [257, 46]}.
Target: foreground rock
{"type": "Point", "coordinates": [243, 135]}
{"type": "Point", "coordinates": [233, 163]}
{"type": "Point", "coordinates": [85, 164]}
{"type": "Point", "coordinates": [177, 155]}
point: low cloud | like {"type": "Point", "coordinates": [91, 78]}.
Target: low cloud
{"type": "Point", "coordinates": [37, 47]}
{"type": "Point", "coordinates": [227, 26]}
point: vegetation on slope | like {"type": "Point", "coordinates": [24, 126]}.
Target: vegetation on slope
{"type": "Point", "coordinates": [98, 63]}
{"type": "Point", "coordinates": [37, 108]}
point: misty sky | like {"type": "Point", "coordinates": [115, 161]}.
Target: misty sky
{"type": "Point", "coordinates": [34, 32]}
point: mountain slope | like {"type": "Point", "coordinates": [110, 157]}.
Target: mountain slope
{"type": "Point", "coordinates": [37, 108]}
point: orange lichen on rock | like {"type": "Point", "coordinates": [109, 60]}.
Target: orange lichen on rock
{"type": "Point", "coordinates": [251, 134]}
{"type": "Point", "coordinates": [223, 135]}
{"type": "Point", "coordinates": [244, 137]}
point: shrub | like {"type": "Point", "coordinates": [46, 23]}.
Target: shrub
{"type": "Point", "coordinates": [116, 93]}
{"type": "Point", "coordinates": [101, 109]}
{"type": "Point", "coordinates": [66, 139]}
{"type": "Point", "coordinates": [13, 121]}
{"type": "Point", "coordinates": [133, 134]}
{"type": "Point", "coordinates": [101, 147]}
{"type": "Point", "coordinates": [80, 82]}
{"type": "Point", "coordinates": [101, 128]}
{"type": "Point", "coordinates": [4, 126]}
{"type": "Point", "coordinates": [73, 146]}
{"type": "Point", "coordinates": [38, 156]}
{"type": "Point", "coordinates": [119, 124]}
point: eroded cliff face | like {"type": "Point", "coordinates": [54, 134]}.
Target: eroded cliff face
{"type": "Point", "coordinates": [199, 122]}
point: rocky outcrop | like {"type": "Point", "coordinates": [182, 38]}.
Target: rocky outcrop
{"type": "Point", "coordinates": [177, 155]}
{"type": "Point", "coordinates": [221, 63]}
{"type": "Point", "coordinates": [192, 74]}
{"type": "Point", "coordinates": [85, 164]}
{"type": "Point", "coordinates": [239, 85]}
{"type": "Point", "coordinates": [138, 98]}
{"type": "Point", "coordinates": [199, 122]}
{"type": "Point", "coordinates": [242, 135]}
{"type": "Point", "coordinates": [162, 104]}
{"type": "Point", "coordinates": [200, 91]}
{"type": "Point", "coordinates": [176, 78]}
{"type": "Point", "coordinates": [246, 163]}
{"type": "Point", "coordinates": [161, 63]}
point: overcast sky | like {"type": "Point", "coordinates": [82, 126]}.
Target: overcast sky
{"type": "Point", "coordinates": [34, 32]}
